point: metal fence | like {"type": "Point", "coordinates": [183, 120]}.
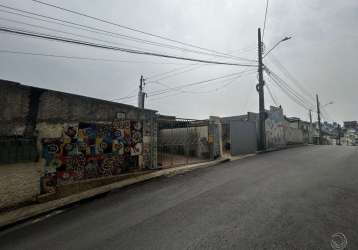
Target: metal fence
{"type": "Point", "coordinates": [182, 141]}
{"type": "Point", "coordinates": [17, 149]}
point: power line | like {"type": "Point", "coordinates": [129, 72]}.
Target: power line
{"type": "Point", "coordinates": [284, 87]}
{"type": "Point", "coordinates": [271, 95]}
{"type": "Point", "coordinates": [168, 72]}
{"type": "Point", "coordinates": [226, 84]}
{"type": "Point", "coordinates": [207, 81]}
{"type": "Point", "coordinates": [135, 30]}
{"type": "Point", "coordinates": [179, 87]}
{"type": "Point", "coordinates": [68, 33]}
{"type": "Point", "coordinates": [289, 88]}
{"type": "Point", "coordinates": [291, 95]}
{"type": "Point", "coordinates": [165, 74]}
{"type": "Point", "coordinates": [83, 58]}
{"type": "Point", "coordinates": [102, 46]}
{"type": "Point", "coordinates": [128, 96]}
{"type": "Point", "coordinates": [105, 32]}
{"type": "Point", "coordinates": [193, 92]}
{"type": "Point", "coordinates": [326, 114]}
{"type": "Point", "coordinates": [297, 94]}
{"type": "Point", "coordinates": [71, 26]}
{"type": "Point", "coordinates": [178, 73]}
{"type": "Point", "coordinates": [285, 71]}
{"type": "Point", "coordinates": [263, 32]}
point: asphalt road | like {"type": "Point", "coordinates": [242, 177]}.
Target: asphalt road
{"type": "Point", "coordinates": [291, 199]}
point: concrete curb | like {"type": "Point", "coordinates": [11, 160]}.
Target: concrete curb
{"type": "Point", "coordinates": [21, 214]}
{"type": "Point", "coordinates": [282, 148]}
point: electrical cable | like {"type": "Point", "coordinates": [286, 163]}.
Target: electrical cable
{"type": "Point", "coordinates": [203, 82]}
{"type": "Point", "coordinates": [133, 29]}
{"type": "Point", "coordinates": [165, 74]}
{"type": "Point", "coordinates": [271, 95]}
{"type": "Point", "coordinates": [102, 46]}
{"type": "Point", "coordinates": [179, 87]}
{"type": "Point", "coordinates": [70, 33]}
{"type": "Point", "coordinates": [289, 88]}
{"type": "Point", "coordinates": [85, 58]}
{"type": "Point", "coordinates": [168, 72]}
{"type": "Point", "coordinates": [178, 73]}
{"type": "Point", "coordinates": [284, 70]}
{"type": "Point", "coordinates": [104, 32]}
{"type": "Point", "coordinates": [128, 96]}
{"type": "Point", "coordinates": [263, 32]}
{"type": "Point", "coordinates": [226, 84]}
{"type": "Point", "coordinates": [291, 95]}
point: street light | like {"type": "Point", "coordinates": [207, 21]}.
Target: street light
{"type": "Point", "coordinates": [331, 102]}
{"type": "Point", "coordinates": [283, 40]}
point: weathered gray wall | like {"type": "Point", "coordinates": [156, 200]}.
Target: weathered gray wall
{"type": "Point", "coordinates": [19, 104]}
{"type": "Point", "coordinates": [14, 106]}
{"type": "Point", "coordinates": [279, 131]}
{"type": "Point", "coordinates": [28, 111]}
{"type": "Point", "coordinates": [19, 183]}
{"type": "Point", "coordinates": [190, 138]}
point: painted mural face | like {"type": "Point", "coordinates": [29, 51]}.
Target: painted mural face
{"type": "Point", "coordinates": [91, 150]}
{"type": "Point", "coordinates": [71, 132]}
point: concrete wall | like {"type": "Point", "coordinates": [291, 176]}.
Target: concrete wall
{"type": "Point", "coordinates": [19, 183]}
{"type": "Point", "coordinates": [275, 125]}
{"type": "Point", "coordinates": [50, 116]}
{"type": "Point", "coordinates": [23, 106]}
{"type": "Point", "coordinates": [293, 136]}
{"type": "Point", "coordinates": [192, 139]}
{"type": "Point", "coordinates": [14, 106]}
{"type": "Point", "coordinates": [279, 131]}
{"type": "Point", "coordinates": [216, 137]}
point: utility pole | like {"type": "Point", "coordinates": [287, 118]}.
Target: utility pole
{"type": "Point", "coordinates": [339, 134]}
{"type": "Point", "coordinates": [141, 94]}
{"type": "Point", "coordinates": [310, 128]}
{"type": "Point", "coordinates": [319, 120]}
{"type": "Point", "coordinates": [260, 89]}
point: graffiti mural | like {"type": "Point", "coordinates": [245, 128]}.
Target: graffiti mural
{"type": "Point", "coordinates": [278, 130]}
{"type": "Point", "coordinates": [91, 150]}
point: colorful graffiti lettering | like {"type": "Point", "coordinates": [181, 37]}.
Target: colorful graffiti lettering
{"type": "Point", "coordinates": [91, 150]}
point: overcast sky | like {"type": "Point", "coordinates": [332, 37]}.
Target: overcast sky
{"type": "Point", "coordinates": [321, 55]}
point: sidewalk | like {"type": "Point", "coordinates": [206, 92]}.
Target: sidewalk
{"type": "Point", "coordinates": [27, 212]}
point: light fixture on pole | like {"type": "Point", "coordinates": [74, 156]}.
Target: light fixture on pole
{"type": "Point", "coordinates": [282, 40]}
{"type": "Point", "coordinates": [331, 102]}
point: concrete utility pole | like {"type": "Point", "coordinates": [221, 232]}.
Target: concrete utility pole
{"type": "Point", "coordinates": [339, 134]}
{"type": "Point", "coordinates": [260, 89]}
{"type": "Point", "coordinates": [319, 120]}
{"type": "Point", "coordinates": [141, 94]}
{"type": "Point", "coordinates": [310, 128]}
